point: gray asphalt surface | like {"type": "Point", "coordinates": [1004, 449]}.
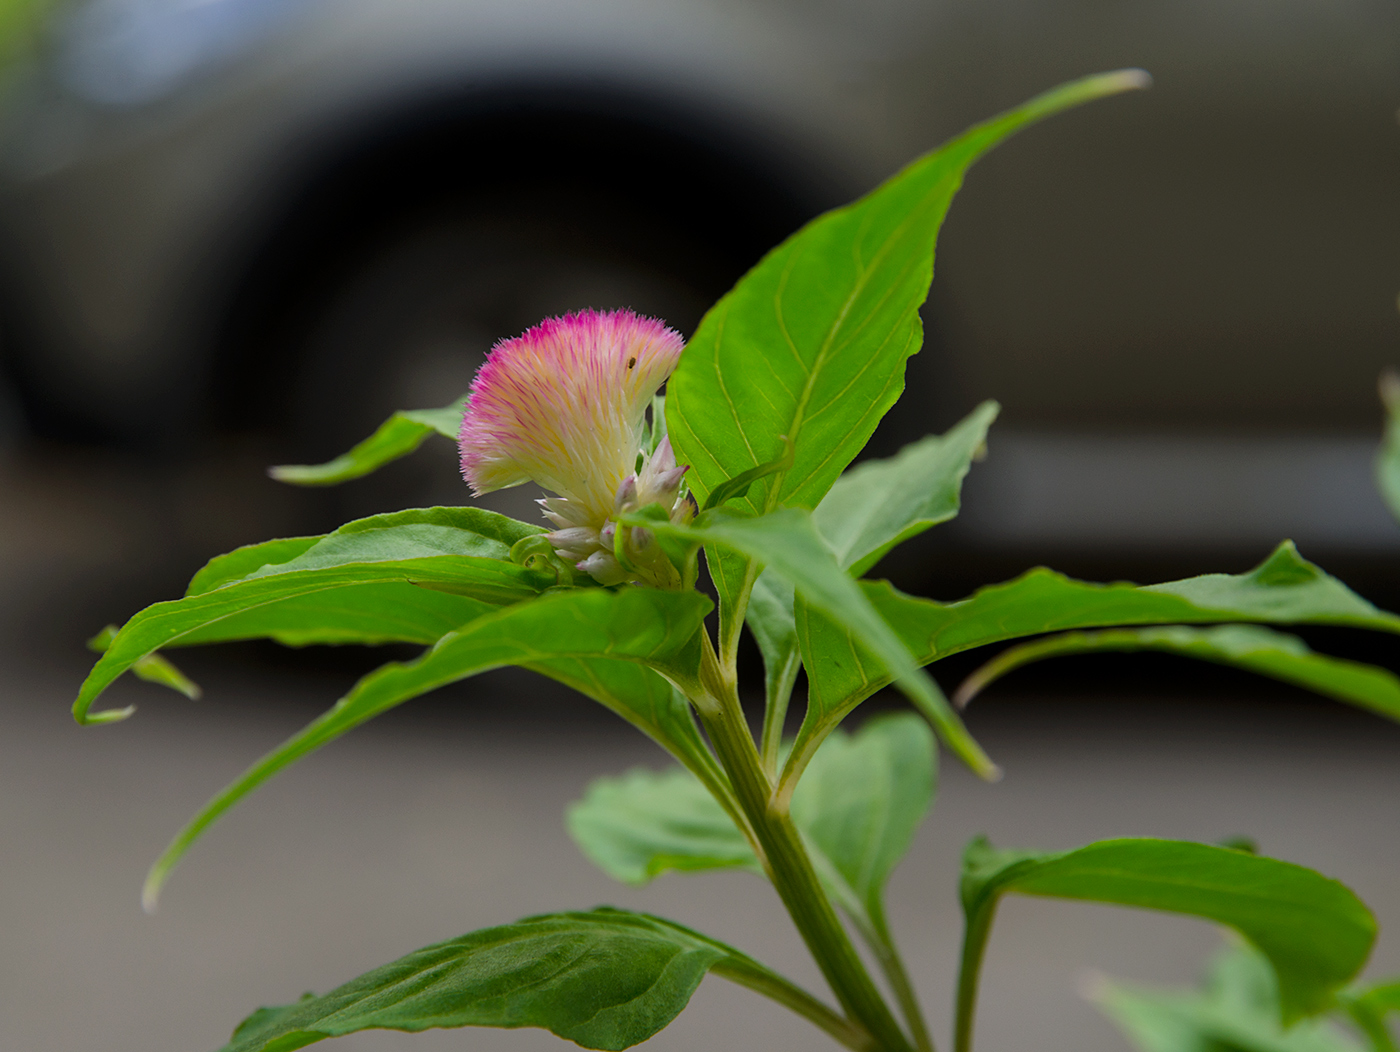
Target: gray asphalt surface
{"type": "Point", "coordinates": [445, 818]}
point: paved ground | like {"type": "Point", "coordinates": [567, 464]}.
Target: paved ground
{"type": "Point", "coordinates": [446, 817]}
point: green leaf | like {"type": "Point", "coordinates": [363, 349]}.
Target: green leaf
{"type": "Point", "coordinates": [463, 551]}
{"type": "Point", "coordinates": [239, 563]}
{"type": "Point", "coordinates": [787, 543]}
{"type": "Point", "coordinates": [638, 625]}
{"type": "Point", "coordinates": [645, 823]}
{"type": "Point", "coordinates": [1159, 1022]}
{"type": "Point", "coordinates": [881, 503]}
{"type": "Point", "coordinates": [265, 1020]}
{"type": "Point", "coordinates": [153, 668]}
{"type": "Point", "coordinates": [1237, 1011]}
{"type": "Point", "coordinates": [1248, 647]}
{"type": "Point", "coordinates": [362, 614]}
{"type": "Point", "coordinates": [811, 343]}
{"type": "Point", "coordinates": [1314, 931]}
{"type": "Point", "coordinates": [605, 979]}
{"type": "Point", "coordinates": [397, 437]}
{"type": "Point", "coordinates": [367, 614]}
{"type": "Point", "coordinates": [411, 534]}
{"type": "Point", "coordinates": [863, 798]}
{"type": "Point", "coordinates": [1284, 589]}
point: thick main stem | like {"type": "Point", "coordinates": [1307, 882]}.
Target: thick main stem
{"type": "Point", "coordinates": [790, 868]}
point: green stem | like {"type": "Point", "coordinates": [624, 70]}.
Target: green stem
{"type": "Point", "coordinates": [775, 712]}
{"type": "Point", "coordinates": [882, 943]}
{"type": "Point", "coordinates": [731, 615]}
{"type": "Point", "coordinates": [789, 867]}
{"type": "Point", "coordinates": [979, 926]}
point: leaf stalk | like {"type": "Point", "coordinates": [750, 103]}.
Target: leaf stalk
{"type": "Point", "coordinates": [881, 941]}
{"type": "Point", "coordinates": [771, 985]}
{"type": "Point", "coordinates": [979, 927]}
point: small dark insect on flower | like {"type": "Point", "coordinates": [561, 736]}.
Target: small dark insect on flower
{"type": "Point", "coordinates": [631, 363]}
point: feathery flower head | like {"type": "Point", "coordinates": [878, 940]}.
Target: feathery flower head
{"type": "Point", "coordinates": [563, 405]}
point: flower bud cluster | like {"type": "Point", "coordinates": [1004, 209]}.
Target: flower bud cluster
{"type": "Point", "coordinates": [597, 550]}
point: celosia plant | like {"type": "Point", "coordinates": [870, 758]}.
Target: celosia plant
{"type": "Point", "coordinates": [745, 463]}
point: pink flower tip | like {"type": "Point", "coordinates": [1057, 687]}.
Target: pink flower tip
{"type": "Point", "coordinates": [563, 404]}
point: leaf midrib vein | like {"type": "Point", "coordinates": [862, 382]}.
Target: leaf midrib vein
{"type": "Point", "coordinates": [863, 276]}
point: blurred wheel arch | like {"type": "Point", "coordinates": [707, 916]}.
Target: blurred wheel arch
{"type": "Point", "coordinates": [734, 188]}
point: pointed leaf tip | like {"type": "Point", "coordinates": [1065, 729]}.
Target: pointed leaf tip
{"type": "Point", "coordinates": [1078, 92]}
{"type": "Point", "coordinates": [90, 719]}
{"type": "Point", "coordinates": [1098, 85]}
{"type": "Point", "coordinates": [1133, 79]}
{"type": "Point", "coordinates": [397, 437]}
{"type": "Point", "coordinates": [156, 877]}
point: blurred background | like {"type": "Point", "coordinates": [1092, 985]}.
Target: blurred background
{"type": "Point", "coordinates": [241, 232]}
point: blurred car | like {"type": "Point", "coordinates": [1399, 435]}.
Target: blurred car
{"type": "Point", "coordinates": [298, 215]}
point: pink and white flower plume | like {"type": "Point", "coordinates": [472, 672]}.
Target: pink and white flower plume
{"type": "Point", "coordinates": [564, 405]}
